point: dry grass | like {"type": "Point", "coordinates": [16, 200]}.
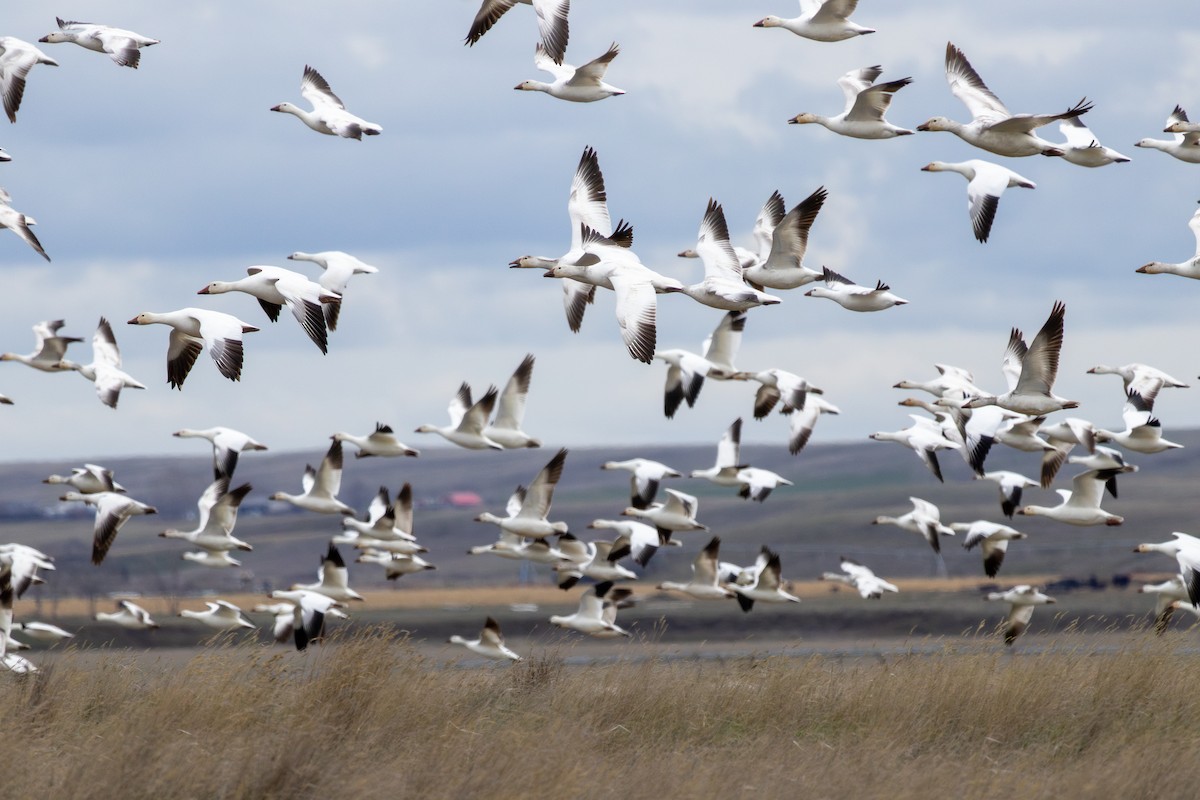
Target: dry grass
{"type": "Point", "coordinates": [368, 717]}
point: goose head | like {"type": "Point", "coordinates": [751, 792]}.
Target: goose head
{"type": "Point", "coordinates": [768, 22]}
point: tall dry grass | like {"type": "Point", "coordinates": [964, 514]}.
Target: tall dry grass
{"type": "Point", "coordinates": [368, 717]}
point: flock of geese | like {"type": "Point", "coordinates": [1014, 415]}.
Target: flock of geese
{"type": "Point", "coordinates": [962, 416]}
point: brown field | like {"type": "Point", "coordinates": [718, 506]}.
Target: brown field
{"type": "Point", "coordinates": [369, 716]}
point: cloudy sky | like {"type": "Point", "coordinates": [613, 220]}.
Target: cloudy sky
{"type": "Point", "coordinates": [148, 184]}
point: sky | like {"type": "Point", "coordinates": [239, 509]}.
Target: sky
{"type": "Point", "coordinates": [147, 184]}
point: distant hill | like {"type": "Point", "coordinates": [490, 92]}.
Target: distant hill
{"type": "Point", "coordinates": [839, 490]}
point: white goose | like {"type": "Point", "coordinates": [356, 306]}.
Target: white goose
{"type": "Point", "coordinates": [1011, 485]}
{"type": "Point", "coordinates": [596, 560]}
{"type": "Point", "coordinates": [113, 510]}
{"type": "Point", "coordinates": [1030, 371]}
{"type": "Point", "coordinates": [925, 520]}
{"type": "Point", "coordinates": [866, 103]}
{"type": "Point", "coordinates": [337, 270]}
{"type": "Point", "coordinates": [389, 526]}
{"type": "Point", "coordinates": [597, 612]}
{"type": "Point", "coordinates": [216, 513]}
{"type": "Point", "coordinates": [1141, 378]}
{"type": "Point", "coordinates": [584, 84]}
{"type": "Point", "coordinates": [645, 477]}
{"type": "Point", "coordinates": [849, 295]}
{"type": "Point", "coordinates": [309, 610]}
{"type": "Point", "coordinates": [587, 205]}
{"type": "Point", "coordinates": [992, 537]}
{"type": "Point", "coordinates": [333, 578]}
{"type": "Point", "coordinates": [705, 583]}
{"type": "Point", "coordinates": [467, 420]}
{"type": "Point", "coordinates": [380, 442]}
{"type": "Point", "coordinates": [644, 540]}
{"type": "Point", "coordinates": [105, 370]}
{"type": "Point", "coordinates": [320, 486]}
{"type": "Point", "coordinates": [924, 437]}
{"type": "Point", "coordinates": [1064, 435]}
{"type": "Point", "coordinates": [767, 586]}
{"type": "Point", "coordinates": [780, 261]}
{"type": "Point", "coordinates": [801, 422]}
{"type": "Point", "coordinates": [328, 114]}
{"type": "Point", "coordinates": [531, 521]}
{"type": "Point", "coordinates": [1167, 593]}
{"type": "Point", "coordinates": [676, 514]}
{"type": "Point", "coordinates": [864, 580]}
{"type": "Point", "coordinates": [1187, 269]}
{"type": "Point", "coordinates": [227, 444]}
{"type": "Point", "coordinates": [505, 429]}
{"type": "Point", "coordinates": [214, 559]}
{"type": "Point", "coordinates": [993, 127]}
{"type": "Point", "coordinates": [985, 183]}
{"type": "Point", "coordinates": [1083, 149]}
{"type": "Point", "coordinates": [724, 471]}
{"type": "Point", "coordinates": [128, 615]}
{"type": "Point", "coordinates": [820, 20]}
{"type": "Point", "coordinates": [1081, 503]}
{"type": "Point", "coordinates": [551, 18]}
{"type": "Point", "coordinates": [490, 643]}
{"type": "Point", "coordinates": [723, 286]}
{"type": "Point", "coordinates": [221, 614]}
{"type": "Point", "coordinates": [43, 632]}
{"type": "Point", "coordinates": [50, 348]}
{"type": "Point", "coordinates": [395, 565]}
{"type": "Point", "coordinates": [88, 479]}
{"type": "Point", "coordinates": [1143, 431]}
{"type": "Point", "coordinates": [687, 371]}
{"type": "Point", "coordinates": [1021, 600]}
{"type": "Point", "coordinates": [274, 288]}
{"type": "Point", "coordinates": [17, 57]}
{"type": "Point", "coordinates": [192, 329]}
{"type": "Point", "coordinates": [14, 220]}
{"type": "Point", "coordinates": [1184, 145]}
{"type": "Point", "coordinates": [122, 46]}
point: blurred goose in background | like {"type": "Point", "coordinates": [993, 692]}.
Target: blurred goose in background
{"type": "Point", "coordinates": [985, 183]}
{"type": "Point", "coordinates": [866, 103]}
{"type": "Point", "coordinates": [388, 527]}
{"type": "Point", "coordinates": [531, 521]}
{"type": "Point", "coordinates": [820, 20]}
{"type": "Point", "coordinates": [42, 632]}
{"type": "Point", "coordinates": [505, 429]}
{"type": "Point", "coordinates": [309, 610]}
{"type": "Point", "coordinates": [17, 57]}
{"type": "Point", "coordinates": [219, 614]}
{"type": "Point", "coordinates": [274, 288]}
{"type": "Point", "coordinates": [924, 437]}
{"type": "Point", "coordinates": [676, 514]}
{"type": "Point", "coordinates": [705, 584]}
{"type": "Point", "coordinates": [216, 559]}
{"type": "Point", "coordinates": [757, 483]}
{"type": "Point", "coordinates": [49, 348]}
{"type": "Point", "coordinates": [467, 420]}
{"type": "Point", "coordinates": [864, 580]}
{"type": "Point", "coordinates": [767, 586]}
{"type": "Point", "coordinates": [191, 330]}
{"type": "Point", "coordinates": [597, 612]}
{"type": "Point", "coordinates": [320, 486]}
{"type": "Point", "coordinates": [1189, 268]}
{"type": "Point", "coordinates": [105, 370]}
{"type": "Point", "coordinates": [802, 421]}
{"type": "Point", "coordinates": [993, 127]}
{"type": "Point", "coordinates": [1166, 594]}
{"type": "Point", "coordinates": [1083, 149]}
{"type": "Point", "coordinates": [333, 578]}
{"type": "Point", "coordinates": [128, 615]}
{"type": "Point", "coordinates": [596, 560]}
{"type": "Point", "coordinates": [783, 244]}
{"type": "Point", "coordinates": [122, 46]}
{"type": "Point", "coordinates": [1184, 145]}
{"type": "Point", "coordinates": [1021, 600]}
{"type": "Point", "coordinates": [88, 479]}
{"type": "Point", "coordinates": [1064, 435]}
{"type": "Point", "coordinates": [992, 537]}
{"type": "Point", "coordinates": [113, 510]}
{"type": "Point", "coordinates": [1031, 371]}
{"type": "Point", "coordinates": [778, 385]}
{"type": "Point", "coordinates": [395, 565]}
{"type": "Point", "coordinates": [852, 297]}
{"type": "Point", "coordinates": [337, 270]}
{"type": "Point", "coordinates": [723, 286]}
{"type": "Point", "coordinates": [643, 540]}
{"type": "Point", "coordinates": [584, 84]}
{"type": "Point", "coordinates": [587, 205]}
{"type": "Point", "coordinates": [645, 477]}
{"type": "Point", "coordinates": [1143, 431]}
{"type": "Point", "coordinates": [1081, 503]}
{"type": "Point", "coordinates": [227, 444]}
{"type": "Point", "coordinates": [490, 643]}
{"type": "Point", "coordinates": [724, 471]}
{"type": "Point", "coordinates": [1141, 378]}
{"type": "Point", "coordinates": [328, 114]}
{"type": "Point", "coordinates": [380, 442]}
{"type": "Point", "coordinates": [551, 18]}
{"type": "Point", "coordinates": [216, 517]}
{"type": "Point", "coordinates": [925, 520]}
{"type": "Point", "coordinates": [14, 220]}
{"type": "Point", "coordinates": [1011, 484]}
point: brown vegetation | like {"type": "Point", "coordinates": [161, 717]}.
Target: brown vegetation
{"type": "Point", "coordinates": [370, 717]}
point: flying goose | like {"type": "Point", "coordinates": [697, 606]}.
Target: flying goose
{"type": "Point", "coordinates": [1083, 149]}
{"type": "Point", "coordinates": [113, 510]}
{"type": "Point", "coordinates": [925, 520]}
{"type": "Point", "coordinates": [467, 420]}
{"type": "Point", "coordinates": [993, 127]}
{"type": "Point", "coordinates": [395, 565]}
{"type": "Point", "coordinates": [309, 610]}
{"type": "Point", "coordinates": [530, 520]}
{"type": "Point", "coordinates": [328, 114]}
{"type": "Point", "coordinates": [380, 442]}
{"type": "Point", "coordinates": [584, 84]}
{"type": "Point", "coordinates": [992, 537]}
{"type": "Point", "coordinates": [276, 287]}
{"type": "Point", "coordinates": [227, 444]}
{"type": "Point", "coordinates": [849, 295]}
{"type": "Point", "coordinates": [643, 540]}
{"type": "Point", "coordinates": [333, 578]}
{"type": "Point", "coordinates": [1184, 145]}
{"type": "Point", "coordinates": [191, 330]}
{"type": "Point", "coordinates": [724, 471]}
{"type": "Point", "coordinates": [88, 479]}
{"type": "Point", "coordinates": [644, 479]}
{"type": "Point", "coordinates": [864, 580]}
{"type": "Point", "coordinates": [50, 348]}
{"type": "Point", "coordinates": [551, 18]}
{"type": "Point", "coordinates": [1189, 268]}
{"type": "Point", "coordinates": [490, 642]}
{"type": "Point", "coordinates": [320, 486]}
{"type": "Point", "coordinates": [1081, 503]}
{"type": "Point", "coordinates": [17, 222]}
{"type": "Point", "coordinates": [17, 57]}
{"type": "Point", "coordinates": [780, 261]}
{"type": "Point", "coordinates": [128, 615]}
{"type": "Point", "coordinates": [122, 46]}
{"type": "Point", "coordinates": [1021, 600]}
{"type": "Point", "coordinates": [985, 183]}
{"type": "Point", "coordinates": [687, 371]}
{"type": "Point", "coordinates": [216, 516]}
{"type": "Point", "coordinates": [221, 614]}
{"type": "Point", "coordinates": [676, 513]}
{"type": "Point", "coordinates": [1011, 486]}
{"type": "Point", "coordinates": [505, 429]}
{"type": "Point", "coordinates": [597, 612]}
{"type": "Point", "coordinates": [705, 584]}
{"type": "Point", "coordinates": [596, 560]}
{"type": "Point", "coordinates": [337, 270]}
{"type": "Point", "coordinates": [723, 286]}
{"type": "Point", "coordinates": [1030, 371]}
{"type": "Point", "coordinates": [767, 586]}
{"type": "Point", "coordinates": [1143, 431]}
{"type": "Point", "coordinates": [924, 437]}
{"type": "Point", "coordinates": [820, 20]}
{"type": "Point", "coordinates": [866, 103]}
{"type": "Point", "coordinates": [1167, 593]}
{"type": "Point", "coordinates": [105, 370]}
